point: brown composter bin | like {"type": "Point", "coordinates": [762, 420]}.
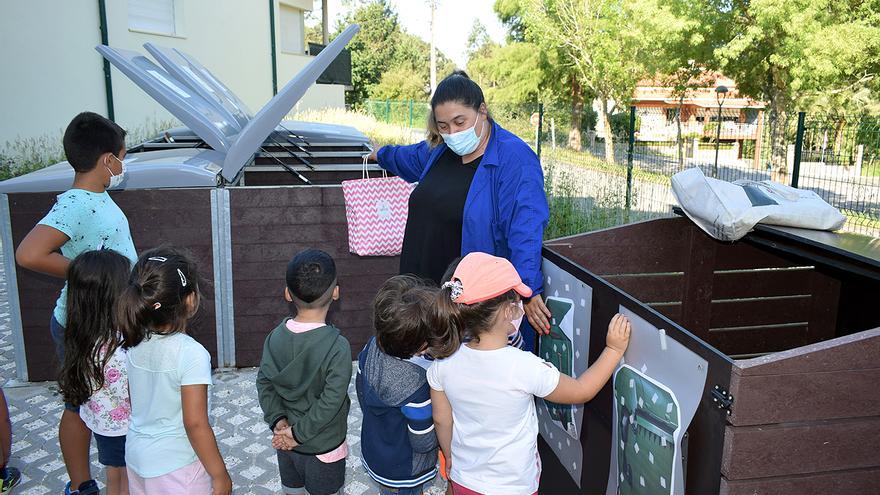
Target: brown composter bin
{"type": "Point", "coordinates": [241, 192]}
{"type": "Point", "coordinates": [788, 322]}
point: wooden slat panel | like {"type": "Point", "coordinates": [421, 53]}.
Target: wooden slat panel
{"type": "Point", "coordinates": [859, 351]}
{"type": "Point", "coordinates": [650, 247]}
{"type": "Point", "coordinates": [696, 311]}
{"type": "Point", "coordinates": [758, 340]}
{"type": "Point", "coordinates": [761, 283]}
{"type": "Point", "coordinates": [671, 311]}
{"type": "Point", "coordinates": [650, 288]}
{"type": "Point", "coordinates": [739, 255]}
{"type": "Point", "coordinates": [768, 399]}
{"type": "Point", "coordinates": [740, 313]}
{"type": "Point", "coordinates": [181, 218]}
{"type": "Point", "coordinates": [852, 482]}
{"type": "Point", "coordinates": [269, 226]}
{"type": "Point", "coordinates": [783, 450]}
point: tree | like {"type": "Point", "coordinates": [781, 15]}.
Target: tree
{"type": "Point", "coordinates": [609, 44]}
{"type": "Point", "coordinates": [479, 43]}
{"type": "Point", "coordinates": [789, 51]}
{"type": "Point", "coordinates": [508, 74]}
{"type": "Point", "coordinates": [387, 62]}
{"type": "Point", "coordinates": [372, 49]}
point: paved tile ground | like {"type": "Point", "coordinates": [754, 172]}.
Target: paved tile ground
{"type": "Point", "coordinates": [244, 441]}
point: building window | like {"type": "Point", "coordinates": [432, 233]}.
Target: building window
{"type": "Point", "coordinates": [291, 28]}
{"type": "Point", "coordinates": [155, 16]}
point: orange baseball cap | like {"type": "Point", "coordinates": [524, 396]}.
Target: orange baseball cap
{"type": "Point", "coordinates": [480, 277]}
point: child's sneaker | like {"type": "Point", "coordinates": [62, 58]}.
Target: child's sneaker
{"type": "Point", "coordinates": [10, 477]}
{"type": "Point", "coordinates": [89, 487]}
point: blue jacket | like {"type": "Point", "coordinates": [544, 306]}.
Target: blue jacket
{"type": "Point", "coordinates": [398, 443]}
{"type": "Point", "coordinates": [505, 212]}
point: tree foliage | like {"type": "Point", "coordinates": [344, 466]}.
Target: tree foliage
{"type": "Point", "coordinates": [386, 61]}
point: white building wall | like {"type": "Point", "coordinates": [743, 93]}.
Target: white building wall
{"type": "Point", "coordinates": [51, 70]}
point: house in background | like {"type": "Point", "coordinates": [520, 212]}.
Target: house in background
{"type": "Point", "coordinates": [51, 70]}
{"type": "Point", "coordinates": [657, 105]}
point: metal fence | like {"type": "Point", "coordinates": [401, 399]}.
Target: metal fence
{"type": "Point", "coordinates": [593, 182]}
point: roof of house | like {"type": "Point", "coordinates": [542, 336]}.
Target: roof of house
{"type": "Point", "coordinates": [660, 88]}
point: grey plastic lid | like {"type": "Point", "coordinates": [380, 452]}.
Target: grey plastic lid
{"type": "Point", "coordinates": [205, 118]}
{"type": "Point", "coordinates": [194, 111]}
{"type": "Point", "coordinates": [265, 121]}
{"type": "Point", "coordinates": [200, 80]}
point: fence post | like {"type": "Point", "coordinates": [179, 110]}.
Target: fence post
{"type": "Point", "coordinates": [410, 113]}
{"type": "Point", "coordinates": [629, 156]}
{"type": "Point", "coordinates": [387, 111]}
{"type": "Point", "coordinates": [540, 127]}
{"type": "Point", "coordinates": [798, 145]}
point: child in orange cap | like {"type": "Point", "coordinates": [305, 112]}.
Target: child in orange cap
{"type": "Point", "coordinates": [483, 391]}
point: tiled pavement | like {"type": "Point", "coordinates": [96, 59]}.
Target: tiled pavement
{"type": "Point", "coordinates": [244, 441]}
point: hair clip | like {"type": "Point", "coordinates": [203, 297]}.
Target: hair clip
{"type": "Point", "coordinates": [160, 259]}
{"type": "Point", "coordinates": [455, 288]}
{"type": "Point", "coordinates": [157, 305]}
{"type": "Point", "coordinates": [182, 277]}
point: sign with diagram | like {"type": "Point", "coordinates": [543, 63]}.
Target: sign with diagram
{"type": "Point", "coordinates": [657, 389]}
{"type": "Point", "coordinates": [566, 347]}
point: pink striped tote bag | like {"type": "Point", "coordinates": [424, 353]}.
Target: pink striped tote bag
{"type": "Point", "coordinates": [376, 211]}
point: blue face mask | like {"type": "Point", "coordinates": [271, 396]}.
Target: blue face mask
{"type": "Point", "coordinates": [464, 142]}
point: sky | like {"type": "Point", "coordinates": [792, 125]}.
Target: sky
{"type": "Point", "coordinates": [454, 19]}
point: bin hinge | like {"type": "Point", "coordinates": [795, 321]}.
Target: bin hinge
{"type": "Point", "coordinates": [722, 399]}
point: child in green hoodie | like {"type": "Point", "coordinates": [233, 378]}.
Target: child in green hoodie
{"type": "Point", "coordinates": [303, 381]}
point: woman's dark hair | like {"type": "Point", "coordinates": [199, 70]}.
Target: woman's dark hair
{"type": "Point", "coordinates": [155, 299]}
{"type": "Point", "coordinates": [463, 321]}
{"type": "Point", "coordinates": [95, 280]}
{"type": "Point", "coordinates": [401, 316]}
{"type": "Point", "coordinates": [459, 88]}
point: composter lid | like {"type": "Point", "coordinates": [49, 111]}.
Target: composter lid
{"type": "Point", "coordinates": [199, 79]}
{"type": "Point", "coordinates": [194, 111]}
{"type": "Point", "coordinates": [148, 170]}
{"type": "Point", "coordinates": [264, 122]}
{"type": "Point", "coordinates": [221, 129]}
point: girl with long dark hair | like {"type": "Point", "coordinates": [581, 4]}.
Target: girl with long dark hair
{"type": "Point", "coordinates": [93, 375]}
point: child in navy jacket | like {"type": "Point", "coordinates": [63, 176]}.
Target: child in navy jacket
{"type": "Point", "coordinates": [398, 442]}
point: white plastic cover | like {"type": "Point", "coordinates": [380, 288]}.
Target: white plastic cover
{"type": "Point", "coordinates": [729, 210]}
{"type": "Point", "coordinates": [194, 111]}
{"type": "Point", "coordinates": [199, 79]}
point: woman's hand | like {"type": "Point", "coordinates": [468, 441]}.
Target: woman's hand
{"type": "Point", "coordinates": [538, 314]}
{"type": "Point", "coordinates": [372, 157]}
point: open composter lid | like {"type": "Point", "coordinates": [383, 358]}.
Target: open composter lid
{"type": "Point", "coordinates": [207, 106]}
{"type": "Point", "coordinates": [199, 79]}
{"type": "Point", "coordinates": [194, 111]}
{"type": "Point", "coordinates": [265, 121]}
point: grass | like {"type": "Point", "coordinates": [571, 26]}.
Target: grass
{"type": "Point", "coordinates": [25, 155]}
{"type": "Point", "coordinates": [380, 133]}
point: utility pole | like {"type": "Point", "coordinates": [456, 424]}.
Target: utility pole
{"type": "Point", "coordinates": [325, 23]}
{"type": "Point", "coordinates": [433, 5]}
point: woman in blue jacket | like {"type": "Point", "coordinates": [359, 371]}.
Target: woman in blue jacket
{"type": "Point", "coordinates": [481, 189]}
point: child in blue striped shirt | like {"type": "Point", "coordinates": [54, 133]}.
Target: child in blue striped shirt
{"type": "Point", "coordinates": [398, 442]}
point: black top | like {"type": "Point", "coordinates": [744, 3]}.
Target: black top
{"type": "Point", "coordinates": [432, 239]}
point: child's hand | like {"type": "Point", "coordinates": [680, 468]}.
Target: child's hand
{"type": "Point", "coordinates": [280, 425]}
{"type": "Point", "coordinates": [283, 440]}
{"type": "Point", "coordinates": [222, 485]}
{"type": "Point", "coordinates": [618, 333]}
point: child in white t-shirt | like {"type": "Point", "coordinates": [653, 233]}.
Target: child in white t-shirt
{"type": "Point", "coordinates": [483, 393]}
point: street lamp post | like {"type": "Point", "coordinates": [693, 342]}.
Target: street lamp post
{"type": "Point", "coordinates": [720, 96]}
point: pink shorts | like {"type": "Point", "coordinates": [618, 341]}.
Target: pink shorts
{"type": "Point", "coordinates": [460, 490]}
{"type": "Point", "coordinates": [191, 478]}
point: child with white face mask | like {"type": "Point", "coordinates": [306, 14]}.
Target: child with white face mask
{"type": "Point", "coordinates": [486, 378]}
